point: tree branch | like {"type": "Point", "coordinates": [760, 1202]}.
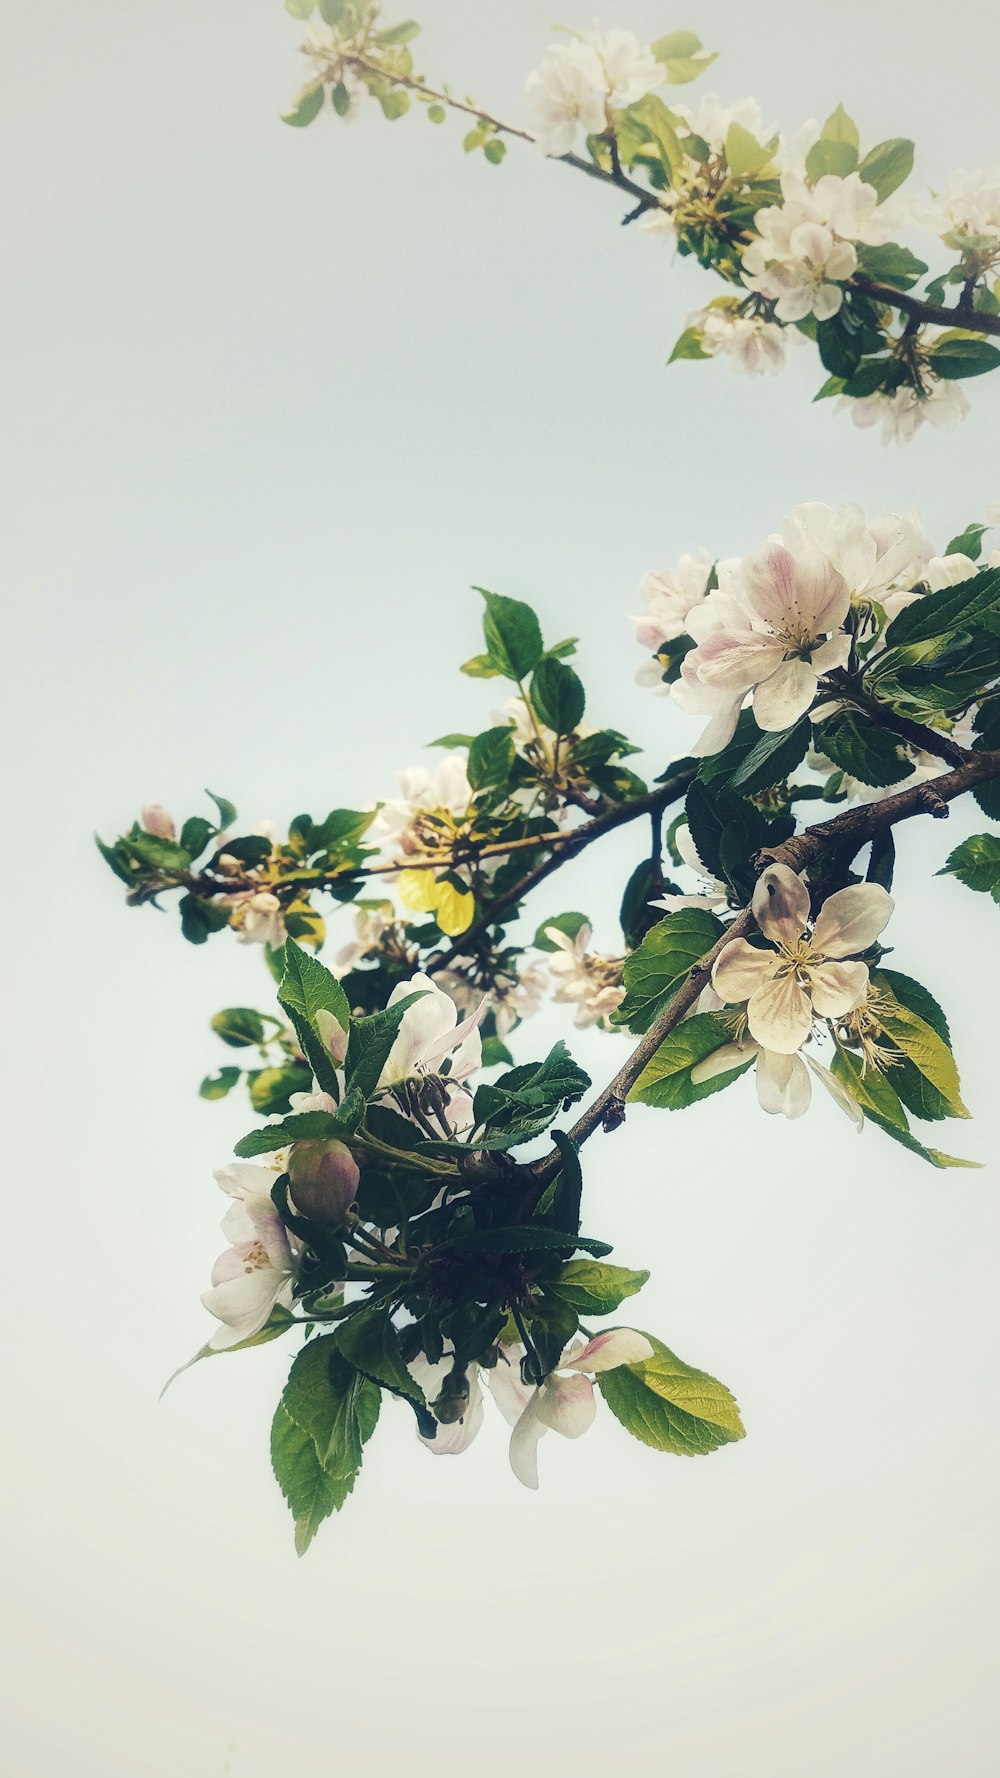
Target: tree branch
{"type": "Point", "coordinates": [568, 845]}
{"type": "Point", "coordinates": [925, 740]}
{"type": "Point", "coordinates": [854, 828]}
{"type": "Point", "coordinates": [932, 314]}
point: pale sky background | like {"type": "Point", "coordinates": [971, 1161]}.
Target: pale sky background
{"type": "Point", "coordinates": [274, 400]}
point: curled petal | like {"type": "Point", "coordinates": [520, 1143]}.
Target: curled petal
{"type": "Point", "coordinates": [524, 1444]}
{"type": "Point", "coordinates": [838, 1093]}
{"type": "Point", "coordinates": [740, 970]}
{"type": "Point", "coordinates": [852, 919]}
{"type": "Point", "coordinates": [780, 904]}
{"type": "Point", "coordinates": [567, 1404]}
{"type": "Point", "coordinates": [620, 1345]}
{"type": "Point", "coordinates": [506, 1387]}
{"type": "Point", "coordinates": [782, 1084]}
{"type": "Point", "coordinates": [723, 1061]}
{"type": "Point", "coordinates": [779, 1014]}
{"type": "Point", "coordinates": [837, 988]}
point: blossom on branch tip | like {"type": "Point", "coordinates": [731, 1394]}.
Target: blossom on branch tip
{"type": "Point", "coordinates": [431, 1058]}
{"type": "Point", "coordinates": [154, 818]}
{"type": "Point", "coordinates": [800, 975]}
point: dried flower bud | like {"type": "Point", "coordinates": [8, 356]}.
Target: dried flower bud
{"type": "Point", "coordinates": [156, 819]}
{"type": "Point", "coordinates": [453, 1401]}
{"type": "Point", "coordinates": [324, 1178]}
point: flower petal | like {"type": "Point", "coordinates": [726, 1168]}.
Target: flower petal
{"type": "Point", "coordinates": [852, 919]}
{"type": "Point", "coordinates": [785, 696]}
{"type": "Point", "coordinates": [836, 988]}
{"type": "Point", "coordinates": [780, 904]}
{"type": "Point", "coordinates": [723, 1061]}
{"type": "Point", "coordinates": [782, 1084]}
{"type": "Point", "coordinates": [606, 1351]}
{"type": "Point", "coordinates": [567, 1404]}
{"type": "Point", "coordinates": [524, 1444]}
{"type": "Point", "coordinates": [740, 970]}
{"type": "Point", "coordinates": [838, 1092]}
{"type": "Point", "coordinates": [779, 1014]}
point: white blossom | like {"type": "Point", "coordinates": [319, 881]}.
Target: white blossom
{"type": "Point", "coordinates": [257, 1271]}
{"type": "Point", "coordinates": [754, 346]}
{"type": "Point", "coordinates": [800, 974]}
{"type": "Point", "coordinates": [564, 1402]}
{"type": "Point", "coordinates": [629, 68]}
{"type": "Point", "coordinates": [431, 806]}
{"type": "Point", "coordinates": [590, 982]}
{"type": "Point", "coordinates": [713, 892]}
{"type": "Point", "coordinates": [670, 593]}
{"type": "Point", "coordinates": [967, 212]}
{"type": "Point", "coordinates": [712, 119]}
{"type": "Point", "coordinates": [565, 94]}
{"type": "Point", "coordinates": [432, 1056]}
{"type": "Point", "coordinates": [805, 247]}
{"type": "Point", "coordinates": [901, 413]}
{"type": "Point", "coordinates": [453, 1436]}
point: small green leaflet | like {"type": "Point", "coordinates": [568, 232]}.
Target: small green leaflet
{"type": "Point", "coordinates": [663, 962]}
{"type": "Point", "coordinates": [326, 1415]}
{"type": "Point", "coordinates": [593, 1288]}
{"type": "Point", "coordinates": [976, 863]}
{"type": "Point", "coordinates": [666, 1080]}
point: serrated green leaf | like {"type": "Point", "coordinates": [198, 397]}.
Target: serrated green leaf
{"type": "Point", "coordinates": [513, 635]}
{"type": "Point", "coordinates": [558, 696]}
{"type": "Point", "coordinates": [666, 1082]}
{"type": "Point", "coordinates": [594, 1288]}
{"type": "Point", "coordinates": [862, 749]}
{"type": "Point", "coordinates": [671, 1406]}
{"type": "Point", "coordinates": [976, 863]}
{"type": "Point", "coordinates": [326, 1415]}
{"type": "Point", "coordinates": [662, 963]}
{"type": "Point", "coordinates": [369, 1341]}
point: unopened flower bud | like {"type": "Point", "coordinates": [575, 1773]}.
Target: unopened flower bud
{"type": "Point", "coordinates": [332, 1035]}
{"type": "Point", "coordinates": [156, 819]}
{"type": "Point", "coordinates": [453, 1401]}
{"type": "Point", "coordinates": [324, 1178]}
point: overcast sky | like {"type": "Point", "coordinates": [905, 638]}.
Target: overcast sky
{"type": "Point", "coordinates": [274, 401]}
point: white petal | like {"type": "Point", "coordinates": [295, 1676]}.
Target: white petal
{"type": "Point", "coordinates": [836, 988]}
{"type": "Point", "coordinates": [852, 919]}
{"type": "Point", "coordinates": [779, 1014]}
{"type": "Point", "coordinates": [782, 1084]}
{"type": "Point", "coordinates": [567, 1404]}
{"type": "Point", "coordinates": [838, 1092]}
{"type": "Point", "coordinates": [510, 1394]}
{"type": "Point", "coordinates": [780, 904]}
{"type": "Point", "coordinates": [723, 1061]}
{"type": "Point", "coordinates": [524, 1444]}
{"type": "Point", "coordinates": [606, 1351]}
{"type": "Point", "coordinates": [740, 970]}
{"type": "Point", "coordinates": [785, 696]}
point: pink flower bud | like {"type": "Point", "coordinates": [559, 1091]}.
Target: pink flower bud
{"type": "Point", "coordinates": [156, 819]}
{"type": "Point", "coordinates": [324, 1178]}
{"type": "Point", "coordinates": [332, 1035]}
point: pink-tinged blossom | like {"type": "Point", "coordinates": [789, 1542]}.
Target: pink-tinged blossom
{"type": "Point", "coordinates": [257, 1271]}
{"type": "Point", "coordinates": [800, 974]}
{"type": "Point", "coordinates": [565, 1402]}
{"type": "Point", "coordinates": [158, 820]}
{"type": "Point", "coordinates": [940, 403]}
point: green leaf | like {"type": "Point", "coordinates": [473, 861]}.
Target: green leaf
{"type": "Point", "coordinates": [931, 1057]}
{"type": "Point", "coordinates": [976, 863]}
{"type": "Point", "coordinates": [395, 103]}
{"type": "Point", "coordinates": [689, 345]}
{"type": "Point", "coordinates": [398, 34]}
{"type": "Point", "coordinates": [513, 635]}
{"type": "Point", "coordinates": [880, 1103]}
{"type": "Point", "coordinates": [841, 128]}
{"type": "Point", "coordinates": [914, 995]}
{"type": "Point", "coordinates": [559, 1204]}
{"type": "Point", "coordinates": [326, 1415]}
{"type": "Point", "coordinates": [671, 1406]}
{"type": "Point", "coordinates": [558, 696]}
{"type": "Point", "coordinates": [955, 356]}
{"type": "Point", "coordinates": [682, 56]}
{"type": "Point", "coordinates": [522, 1103]}
{"type": "Point", "coordinates": [653, 117]}
{"type": "Point", "coordinates": [746, 156]}
{"type": "Point", "coordinates": [370, 1042]}
{"type": "Point", "coordinates": [216, 1086]}
{"type": "Point", "coordinates": [771, 758]}
{"type": "Point", "coordinates": [307, 987]}
{"type": "Point", "coordinates": [199, 918]}
{"type": "Point", "coordinates": [552, 1323]}
{"type": "Point", "coordinates": [300, 9]}
{"type": "Point", "coordinates": [593, 1288]}
{"type": "Point", "coordinates": [862, 749]}
{"type": "Point", "coordinates": [968, 543]}
{"type": "Point", "coordinates": [825, 157]}
{"type": "Point", "coordinates": [887, 165]}
{"type": "Point", "coordinates": [271, 1088]}
{"type": "Point", "coordinates": [950, 608]}
{"type": "Point", "coordinates": [663, 962]}
{"type": "Point", "coordinates": [491, 756]}
{"type": "Point", "coordinates": [195, 835]}
{"type": "Point", "coordinates": [307, 106]}
{"type": "Point", "coordinates": [666, 1082]}
{"type": "Point", "coordinates": [891, 264]}
{"type": "Point", "coordinates": [481, 666]}
{"type": "Point", "coordinates": [369, 1341]}
{"type": "Point", "coordinates": [239, 1026]}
